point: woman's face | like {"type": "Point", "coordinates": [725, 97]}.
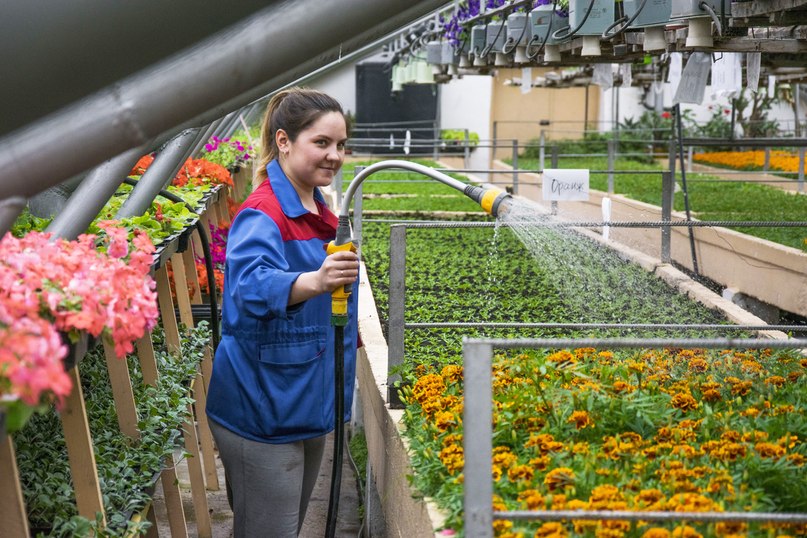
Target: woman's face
{"type": "Point", "coordinates": [318, 153]}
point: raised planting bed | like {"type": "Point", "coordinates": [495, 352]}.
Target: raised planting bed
{"type": "Point", "coordinates": [487, 275]}
{"type": "Point", "coordinates": [127, 468]}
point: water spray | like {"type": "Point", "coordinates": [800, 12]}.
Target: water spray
{"type": "Point", "coordinates": [494, 201]}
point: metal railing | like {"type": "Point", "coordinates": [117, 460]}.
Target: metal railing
{"type": "Point", "coordinates": [478, 432]}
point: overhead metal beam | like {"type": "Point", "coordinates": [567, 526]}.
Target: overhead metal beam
{"type": "Point", "coordinates": [55, 53]}
{"type": "Point", "coordinates": [277, 45]}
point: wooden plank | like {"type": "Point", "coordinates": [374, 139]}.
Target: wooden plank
{"type": "Point", "coordinates": [224, 209]}
{"type": "Point", "coordinates": [190, 272]}
{"type": "Point", "coordinates": [148, 363]}
{"type": "Point", "coordinates": [743, 44]}
{"type": "Point", "coordinates": [197, 478]}
{"type": "Point", "coordinates": [181, 287]}
{"type": "Point", "coordinates": [80, 452]}
{"type": "Point", "coordinates": [764, 7]}
{"type": "Point", "coordinates": [205, 435]}
{"type": "Point", "coordinates": [173, 500]}
{"type": "Point", "coordinates": [207, 366]}
{"type": "Point", "coordinates": [122, 392]}
{"type": "Point", "coordinates": [153, 531]}
{"type": "Point", "coordinates": [167, 314]}
{"type": "Point", "coordinates": [12, 506]}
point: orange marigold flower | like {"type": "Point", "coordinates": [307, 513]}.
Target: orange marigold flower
{"type": "Point", "coordinates": [656, 532]}
{"type": "Point", "coordinates": [776, 381]}
{"type": "Point", "coordinates": [710, 395]}
{"type": "Point", "coordinates": [684, 402]}
{"type": "Point", "coordinates": [621, 386]}
{"type": "Point", "coordinates": [581, 419]}
{"type": "Point", "coordinates": [502, 526]}
{"type": "Point", "coordinates": [552, 529]}
{"type": "Point", "coordinates": [444, 420]}
{"type": "Point", "coordinates": [742, 388]}
{"type": "Point", "coordinates": [520, 472]}
{"type": "Point", "coordinates": [452, 372]}
{"type": "Point", "coordinates": [531, 499]}
{"type": "Point", "coordinates": [769, 450]}
{"type": "Point", "coordinates": [797, 459]}
{"type": "Point", "coordinates": [730, 528]}
{"type": "Point", "coordinates": [559, 478]}
{"type": "Point", "coordinates": [647, 497]}
{"type": "Point", "coordinates": [698, 365]}
{"type": "Point", "coordinates": [561, 357]}
{"type": "Point", "coordinates": [540, 463]}
{"type": "Point", "coordinates": [685, 531]}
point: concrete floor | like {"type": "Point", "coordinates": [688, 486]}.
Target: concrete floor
{"type": "Point", "coordinates": [348, 523]}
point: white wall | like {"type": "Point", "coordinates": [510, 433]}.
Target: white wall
{"type": "Point", "coordinates": [339, 84]}
{"type": "Point", "coordinates": [465, 104]}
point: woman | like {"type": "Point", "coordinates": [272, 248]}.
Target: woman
{"type": "Point", "coordinates": [271, 401]}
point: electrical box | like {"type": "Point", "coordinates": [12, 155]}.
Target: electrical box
{"type": "Point", "coordinates": [516, 31]}
{"type": "Point", "coordinates": [654, 12]}
{"type": "Point", "coordinates": [497, 34]}
{"type": "Point", "coordinates": [685, 9]}
{"type": "Point", "coordinates": [599, 19]}
{"type": "Point", "coordinates": [478, 38]}
{"type": "Point", "coordinates": [540, 19]}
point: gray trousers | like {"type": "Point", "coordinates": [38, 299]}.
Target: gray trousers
{"type": "Point", "coordinates": [268, 485]}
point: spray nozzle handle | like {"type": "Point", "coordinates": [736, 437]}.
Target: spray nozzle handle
{"type": "Point", "coordinates": [340, 295]}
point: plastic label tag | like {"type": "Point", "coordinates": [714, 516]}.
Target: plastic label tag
{"type": "Point", "coordinates": [407, 142]}
{"type": "Point", "coordinates": [771, 86]}
{"type": "Point", "coordinates": [526, 80]}
{"type": "Point", "coordinates": [603, 76]}
{"type": "Point", "coordinates": [752, 65]}
{"type": "Point", "coordinates": [693, 79]}
{"type": "Point", "coordinates": [565, 184]}
{"type": "Point", "coordinates": [674, 75]}
{"type": "Point", "coordinates": [627, 75]}
{"type": "Point", "coordinates": [727, 80]}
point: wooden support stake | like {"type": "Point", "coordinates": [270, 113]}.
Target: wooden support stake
{"type": "Point", "coordinates": [191, 275]}
{"type": "Point", "coordinates": [207, 367]}
{"type": "Point", "coordinates": [205, 435]}
{"type": "Point", "coordinates": [224, 209]}
{"type": "Point", "coordinates": [12, 506]}
{"type": "Point", "coordinates": [80, 452]}
{"type": "Point", "coordinates": [153, 531]}
{"type": "Point", "coordinates": [197, 478]}
{"type": "Point", "coordinates": [181, 287]}
{"type": "Point", "coordinates": [122, 392]}
{"type": "Point", "coordinates": [167, 314]}
{"type": "Point", "coordinates": [173, 500]}
{"type": "Point", "coordinates": [148, 363]}
{"type": "Point", "coordinates": [198, 251]}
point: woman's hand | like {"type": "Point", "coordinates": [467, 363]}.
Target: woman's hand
{"type": "Point", "coordinates": [338, 269]}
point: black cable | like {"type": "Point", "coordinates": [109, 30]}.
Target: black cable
{"type": "Point", "coordinates": [211, 280]}
{"type": "Point", "coordinates": [486, 50]}
{"type": "Point", "coordinates": [339, 429]}
{"type": "Point", "coordinates": [515, 42]}
{"type": "Point", "coordinates": [532, 41]}
{"type": "Point", "coordinates": [571, 33]}
{"type": "Point", "coordinates": [606, 36]}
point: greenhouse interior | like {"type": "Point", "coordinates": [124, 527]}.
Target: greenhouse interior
{"type": "Point", "coordinates": [588, 215]}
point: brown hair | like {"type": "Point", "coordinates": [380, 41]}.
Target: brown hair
{"type": "Point", "coordinates": [292, 110]}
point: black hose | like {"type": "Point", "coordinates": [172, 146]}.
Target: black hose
{"type": "Point", "coordinates": [211, 280]}
{"type": "Point", "coordinates": [608, 36]}
{"type": "Point", "coordinates": [533, 55]}
{"type": "Point", "coordinates": [570, 33]}
{"type": "Point", "coordinates": [339, 429]}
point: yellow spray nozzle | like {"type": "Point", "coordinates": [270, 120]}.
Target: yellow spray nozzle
{"type": "Point", "coordinates": [340, 295]}
{"type": "Point", "coordinates": [488, 197]}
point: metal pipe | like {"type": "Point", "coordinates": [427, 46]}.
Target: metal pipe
{"type": "Point", "coordinates": [92, 194]}
{"type": "Point", "coordinates": [10, 209]}
{"type": "Point", "coordinates": [165, 166]}
{"type": "Point", "coordinates": [241, 64]}
{"type": "Point", "coordinates": [626, 326]}
{"type": "Point", "coordinates": [92, 46]}
{"type": "Point", "coordinates": [205, 135]}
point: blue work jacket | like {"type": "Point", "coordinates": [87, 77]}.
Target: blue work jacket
{"type": "Point", "coordinates": [273, 373]}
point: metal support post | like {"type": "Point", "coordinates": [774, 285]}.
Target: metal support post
{"type": "Point", "coordinates": [667, 197]}
{"type": "Point", "coordinates": [611, 164]}
{"type": "Point", "coordinates": [397, 298]}
{"type": "Point", "coordinates": [767, 164]}
{"type": "Point", "coordinates": [337, 185]}
{"type": "Point", "coordinates": [554, 161]}
{"type": "Point", "coordinates": [541, 150]}
{"type": "Point", "coordinates": [801, 169]}
{"type": "Point", "coordinates": [690, 151]}
{"type": "Point", "coordinates": [478, 431]}
{"type": "Point", "coordinates": [358, 207]}
{"type": "Point", "coordinates": [495, 136]}
{"type": "Point", "coordinates": [515, 166]}
{"type": "Point", "coordinates": [466, 157]}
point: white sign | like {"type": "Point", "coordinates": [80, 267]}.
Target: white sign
{"type": "Point", "coordinates": [565, 184]}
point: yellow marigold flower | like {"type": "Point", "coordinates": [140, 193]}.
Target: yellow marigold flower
{"type": "Point", "coordinates": [769, 450]}
{"type": "Point", "coordinates": [502, 456]}
{"type": "Point", "coordinates": [531, 499]}
{"type": "Point", "coordinates": [559, 478]}
{"type": "Point", "coordinates": [552, 529]}
{"type": "Point", "coordinates": [750, 412]}
{"type": "Point", "coordinates": [776, 381]}
{"type": "Point", "coordinates": [444, 420]}
{"type": "Point", "coordinates": [621, 386]}
{"type": "Point", "coordinates": [584, 352]}
{"type": "Point", "coordinates": [793, 376]}
{"type": "Point", "coordinates": [540, 463]}
{"type": "Point", "coordinates": [508, 534]}
{"type": "Point", "coordinates": [606, 492]}
{"type": "Point", "coordinates": [710, 395]}
{"type": "Point", "coordinates": [520, 472]}
{"type": "Point", "coordinates": [604, 531]}
{"type": "Point", "coordinates": [453, 439]}
{"type": "Point", "coordinates": [730, 528]}
{"type": "Point", "coordinates": [580, 448]}
{"type": "Point", "coordinates": [685, 531]}
{"type": "Point", "coordinates": [797, 459]}
{"type": "Point", "coordinates": [452, 372]}
{"type": "Point", "coordinates": [647, 497]}
{"type": "Point", "coordinates": [698, 365]}
{"type": "Point", "coordinates": [656, 532]}
{"type": "Point", "coordinates": [742, 388]}
{"type": "Point", "coordinates": [691, 502]}
{"type": "Point", "coordinates": [755, 436]}
{"type": "Point", "coordinates": [502, 526]}
{"type": "Point", "coordinates": [581, 419]}
{"type": "Point", "coordinates": [606, 355]}
{"type": "Point", "coordinates": [452, 458]}
{"type": "Point", "coordinates": [731, 435]}
{"type": "Point", "coordinates": [636, 367]}
{"type": "Point", "coordinates": [684, 402]}
{"type": "Point", "coordinates": [558, 502]}
{"type": "Point", "coordinates": [561, 357]}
